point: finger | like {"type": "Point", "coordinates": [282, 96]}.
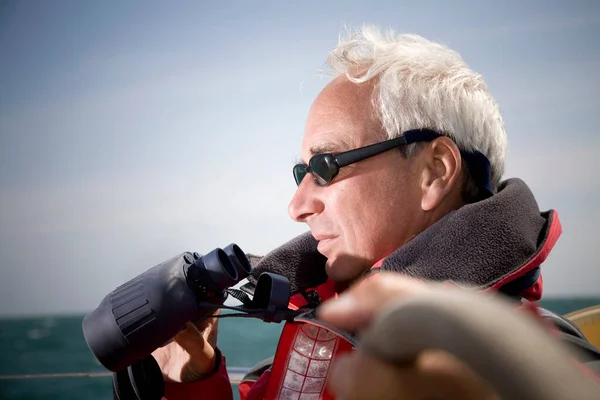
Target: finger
{"type": "Point", "coordinates": [358, 376]}
{"type": "Point", "coordinates": [354, 309]}
{"type": "Point", "coordinates": [202, 354]}
{"type": "Point", "coordinates": [434, 374]}
{"type": "Point", "coordinates": [453, 378]}
{"type": "Point", "coordinates": [211, 332]}
{"type": "Point", "coordinates": [209, 327]}
{"type": "Point", "coordinates": [204, 323]}
{"type": "Point", "coordinates": [191, 339]}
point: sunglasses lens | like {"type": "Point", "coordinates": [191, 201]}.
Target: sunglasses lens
{"type": "Point", "coordinates": [323, 169]}
{"type": "Point", "coordinates": [299, 173]}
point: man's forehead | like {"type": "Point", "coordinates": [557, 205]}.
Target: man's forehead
{"type": "Point", "coordinates": [339, 119]}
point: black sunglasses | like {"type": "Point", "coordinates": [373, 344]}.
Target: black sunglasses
{"type": "Point", "coordinates": [325, 167]}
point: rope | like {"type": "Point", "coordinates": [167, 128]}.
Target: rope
{"type": "Point", "coordinates": [235, 375]}
{"type": "Point", "coordinates": [58, 375]}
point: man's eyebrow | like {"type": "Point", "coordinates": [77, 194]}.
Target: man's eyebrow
{"type": "Point", "coordinates": [326, 148]}
{"type": "Point", "coordinates": [322, 148]}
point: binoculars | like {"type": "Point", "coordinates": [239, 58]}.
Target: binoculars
{"type": "Point", "coordinates": [148, 311]}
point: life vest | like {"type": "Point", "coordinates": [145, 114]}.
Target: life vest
{"type": "Point", "coordinates": [304, 354]}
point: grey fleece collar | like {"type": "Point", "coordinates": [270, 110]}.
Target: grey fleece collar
{"type": "Point", "coordinates": [477, 245]}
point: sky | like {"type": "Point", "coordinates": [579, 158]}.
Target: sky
{"type": "Point", "coordinates": [133, 131]}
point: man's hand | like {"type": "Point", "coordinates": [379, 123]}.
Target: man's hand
{"type": "Point", "coordinates": [357, 375]}
{"type": "Point", "coordinates": [191, 355]}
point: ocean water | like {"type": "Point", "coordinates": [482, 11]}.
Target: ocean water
{"type": "Point", "coordinates": [53, 344]}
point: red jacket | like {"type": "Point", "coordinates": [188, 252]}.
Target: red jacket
{"type": "Point", "coordinates": [302, 359]}
{"type": "Point", "coordinates": [304, 352]}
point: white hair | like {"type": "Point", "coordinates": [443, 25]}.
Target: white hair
{"type": "Point", "coordinates": [423, 84]}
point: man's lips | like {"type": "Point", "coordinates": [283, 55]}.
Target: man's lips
{"type": "Point", "coordinates": [324, 243]}
{"type": "Point", "coordinates": [322, 237]}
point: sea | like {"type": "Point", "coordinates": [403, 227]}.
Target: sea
{"type": "Point", "coordinates": [55, 344]}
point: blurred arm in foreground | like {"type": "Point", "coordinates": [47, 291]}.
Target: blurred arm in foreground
{"type": "Point", "coordinates": [421, 341]}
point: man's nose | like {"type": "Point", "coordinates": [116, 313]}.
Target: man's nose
{"type": "Point", "coordinates": [305, 202]}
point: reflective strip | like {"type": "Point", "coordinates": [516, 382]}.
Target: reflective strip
{"type": "Point", "coordinates": [307, 367]}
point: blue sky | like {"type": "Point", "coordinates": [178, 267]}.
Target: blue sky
{"type": "Point", "coordinates": [133, 131]}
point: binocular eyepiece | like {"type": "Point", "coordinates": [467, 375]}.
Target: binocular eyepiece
{"type": "Point", "coordinates": [148, 311]}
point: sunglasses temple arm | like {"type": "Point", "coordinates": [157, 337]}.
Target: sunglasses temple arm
{"type": "Point", "coordinates": [356, 155]}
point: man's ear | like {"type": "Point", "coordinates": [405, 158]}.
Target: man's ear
{"type": "Point", "coordinates": [441, 173]}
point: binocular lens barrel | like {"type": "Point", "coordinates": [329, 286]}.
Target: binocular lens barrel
{"type": "Point", "coordinates": [220, 269]}
{"type": "Point", "coordinates": [148, 311]}
{"type": "Point", "coordinates": [239, 260]}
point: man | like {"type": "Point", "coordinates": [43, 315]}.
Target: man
{"type": "Point", "coordinates": [420, 195]}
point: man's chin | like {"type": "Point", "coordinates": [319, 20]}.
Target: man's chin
{"type": "Point", "coordinates": [345, 268]}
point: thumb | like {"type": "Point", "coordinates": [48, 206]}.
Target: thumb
{"type": "Point", "coordinates": [202, 354]}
